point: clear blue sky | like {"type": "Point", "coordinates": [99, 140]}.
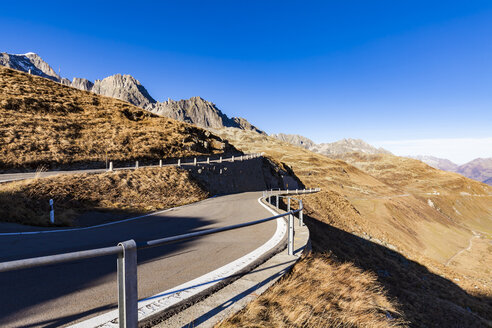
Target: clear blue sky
{"type": "Point", "coordinates": [377, 70]}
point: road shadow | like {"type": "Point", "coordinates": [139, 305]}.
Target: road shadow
{"type": "Point", "coordinates": [425, 298]}
{"type": "Point", "coordinates": [25, 290]}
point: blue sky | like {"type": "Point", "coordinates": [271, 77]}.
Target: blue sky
{"type": "Point", "coordinates": [389, 72]}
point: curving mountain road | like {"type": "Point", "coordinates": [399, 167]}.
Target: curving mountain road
{"type": "Point", "coordinates": [58, 295]}
{"type": "Point", "coordinates": [188, 161]}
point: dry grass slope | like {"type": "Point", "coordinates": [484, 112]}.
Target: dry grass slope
{"type": "Point", "coordinates": [320, 292]}
{"type": "Point", "coordinates": [142, 190]}
{"type": "Point", "coordinates": [45, 123]}
{"type": "Point", "coordinates": [380, 220]}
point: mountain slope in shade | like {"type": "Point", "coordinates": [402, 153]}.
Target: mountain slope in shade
{"type": "Point", "coordinates": [436, 162]}
{"type": "Point", "coordinates": [125, 87]}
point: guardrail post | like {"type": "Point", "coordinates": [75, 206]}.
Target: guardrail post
{"type": "Point", "coordinates": [290, 240]}
{"type": "Point", "coordinates": [160, 163]}
{"type": "Point", "coordinates": [277, 200]}
{"type": "Point", "coordinates": [136, 164]}
{"type": "Point", "coordinates": [127, 285]}
{"type": "Point", "coordinates": [110, 167]}
{"type": "Point", "coordinates": [179, 161]}
{"type": "Point", "coordinates": [301, 215]}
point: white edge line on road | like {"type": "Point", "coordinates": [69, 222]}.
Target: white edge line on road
{"type": "Point", "coordinates": [165, 299]}
{"type": "Point", "coordinates": [99, 225]}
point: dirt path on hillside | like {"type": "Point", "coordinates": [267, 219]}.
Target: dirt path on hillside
{"type": "Point", "coordinates": [470, 243]}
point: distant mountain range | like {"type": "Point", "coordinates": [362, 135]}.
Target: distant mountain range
{"type": "Point", "coordinates": [195, 110]}
{"type": "Point", "coordinates": [334, 148]}
{"type": "Point", "coordinates": [479, 169]}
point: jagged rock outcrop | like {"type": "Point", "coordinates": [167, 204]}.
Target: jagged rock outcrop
{"type": "Point", "coordinates": [295, 139]}
{"type": "Point", "coordinates": [125, 87]}
{"type": "Point", "coordinates": [244, 124]}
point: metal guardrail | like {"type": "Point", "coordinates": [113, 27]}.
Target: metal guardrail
{"type": "Point", "coordinates": [127, 256]}
{"type": "Point", "coordinates": [187, 161]}
{"type": "Point", "coordinates": [194, 162]}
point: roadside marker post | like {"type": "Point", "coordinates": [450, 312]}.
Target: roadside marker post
{"type": "Point", "coordinates": [233, 158]}
{"type": "Point", "coordinates": [208, 160]}
{"type": "Point", "coordinates": [194, 161]}
{"type": "Point", "coordinates": [110, 167]}
{"type": "Point", "coordinates": [52, 212]}
{"type": "Point", "coordinates": [179, 162]}
{"type": "Point", "coordinates": [160, 163]}
{"type": "Point", "coordinates": [136, 165]}
{"type": "Point", "coordinates": [220, 159]}
{"type": "Point", "coordinates": [277, 200]}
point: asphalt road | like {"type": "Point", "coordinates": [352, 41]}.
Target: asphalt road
{"type": "Point", "coordinates": [63, 294]}
{"type": "Point", "coordinates": [8, 177]}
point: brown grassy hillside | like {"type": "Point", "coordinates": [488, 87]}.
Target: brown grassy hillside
{"type": "Point", "coordinates": [411, 241]}
{"type": "Point", "coordinates": [44, 122]}
{"type": "Point", "coordinates": [142, 190]}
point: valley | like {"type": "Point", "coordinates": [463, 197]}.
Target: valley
{"type": "Point", "coordinates": [395, 242]}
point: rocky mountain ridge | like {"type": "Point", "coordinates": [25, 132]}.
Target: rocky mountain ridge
{"type": "Point", "coordinates": [333, 148]}
{"type": "Point", "coordinates": [195, 110]}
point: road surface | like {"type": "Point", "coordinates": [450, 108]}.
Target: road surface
{"type": "Point", "coordinates": [8, 177]}
{"type": "Point", "coordinates": [62, 294]}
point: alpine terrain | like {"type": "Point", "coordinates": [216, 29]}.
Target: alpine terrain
{"type": "Point", "coordinates": [195, 110]}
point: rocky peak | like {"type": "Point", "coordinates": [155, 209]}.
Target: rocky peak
{"type": "Point", "coordinates": [29, 63]}
{"type": "Point", "coordinates": [124, 87]}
